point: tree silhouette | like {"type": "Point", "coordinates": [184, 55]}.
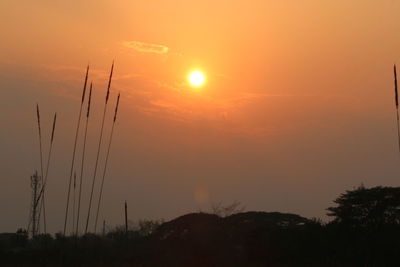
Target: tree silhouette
{"type": "Point", "coordinates": [362, 206]}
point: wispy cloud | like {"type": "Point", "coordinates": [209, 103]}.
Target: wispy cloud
{"type": "Point", "coordinates": [146, 47]}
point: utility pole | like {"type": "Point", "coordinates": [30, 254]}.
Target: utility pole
{"type": "Point", "coordinates": [126, 218]}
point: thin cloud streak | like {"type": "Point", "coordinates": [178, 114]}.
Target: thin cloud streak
{"type": "Point", "coordinates": [146, 47]}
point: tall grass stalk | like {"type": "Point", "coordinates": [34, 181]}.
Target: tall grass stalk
{"type": "Point", "coordinates": [42, 204]}
{"type": "Point", "coordinates": [105, 165]}
{"type": "Point", "coordinates": [42, 191]}
{"type": "Point", "coordinates": [98, 148]}
{"type": "Point", "coordinates": [73, 153]}
{"type": "Point", "coordinates": [83, 161]}
{"type": "Point", "coordinates": [396, 95]}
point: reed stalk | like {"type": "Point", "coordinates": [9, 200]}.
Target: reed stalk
{"type": "Point", "coordinates": [396, 96]}
{"type": "Point", "coordinates": [105, 165]}
{"type": "Point", "coordinates": [83, 161]}
{"type": "Point", "coordinates": [73, 153]}
{"type": "Point", "coordinates": [99, 147]}
{"type": "Point", "coordinates": [42, 204]}
{"type": "Point", "coordinates": [48, 158]}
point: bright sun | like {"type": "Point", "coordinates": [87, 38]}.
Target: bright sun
{"type": "Point", "coordinates": [196, 78]}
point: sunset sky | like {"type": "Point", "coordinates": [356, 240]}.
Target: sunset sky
{"type": "Point", "coordinates": [297, 106]}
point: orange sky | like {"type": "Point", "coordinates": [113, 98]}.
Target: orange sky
{"type": "Point", "coordinates": [298, 104]}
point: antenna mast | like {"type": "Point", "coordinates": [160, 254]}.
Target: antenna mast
{"type": "Point", "coordinates": [33, 225]}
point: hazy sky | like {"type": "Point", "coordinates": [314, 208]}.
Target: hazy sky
{"type": "Point", "coordinates": [298, 106]}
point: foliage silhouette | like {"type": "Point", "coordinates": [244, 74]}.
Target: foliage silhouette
{"type": "Point", "coordinates": [368, 207]}
{"type": "Point", "coordinates": [365, 232]}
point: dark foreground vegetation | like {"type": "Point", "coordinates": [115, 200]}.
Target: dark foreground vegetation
{"type": "Point", "coordinates": [365, 231]}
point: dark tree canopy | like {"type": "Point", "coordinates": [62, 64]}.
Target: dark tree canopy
{"type": "Point", "coordinates": [368, 206]}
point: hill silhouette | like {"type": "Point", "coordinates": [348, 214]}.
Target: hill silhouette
{"type": "Point", "coordinates": [201, 239]}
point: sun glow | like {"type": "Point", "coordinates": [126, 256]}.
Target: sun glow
{"type": "Point", "coordinates": [196, 78]}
